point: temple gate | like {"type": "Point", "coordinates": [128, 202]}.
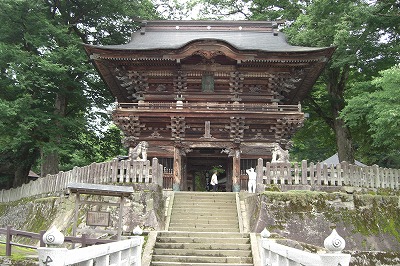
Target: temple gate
{"type": "Point", "coordinates": [208, 93]}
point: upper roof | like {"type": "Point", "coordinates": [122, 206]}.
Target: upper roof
{"type": "Point", "coordinates": [242, 35]}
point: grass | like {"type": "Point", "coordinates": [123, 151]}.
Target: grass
{"type": "Point", "coordinates": [17, 253]}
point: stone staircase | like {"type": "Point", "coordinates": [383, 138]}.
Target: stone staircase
{"type": "Point", "coordinates": [203, 230]}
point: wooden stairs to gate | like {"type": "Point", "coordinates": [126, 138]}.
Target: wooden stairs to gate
{"type": "Point", "coordinates": [203, 230]}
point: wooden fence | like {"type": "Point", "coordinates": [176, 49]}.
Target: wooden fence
{"type": "Point", "coordinates": [128, 171]}
{"type": "Point", "coordinates": [320, 174]}
{"type": "Point", "coordinates": [9, 232]}
{"type": "Point", "coordinates": [116, 171]}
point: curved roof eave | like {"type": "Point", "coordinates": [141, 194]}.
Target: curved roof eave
{"type": "Point", "coordinates": [245, 41]}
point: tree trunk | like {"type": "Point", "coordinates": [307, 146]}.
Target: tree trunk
{"type": "Point", "coordinates": [23, 165]}
{"type": "Point", "coordinates": [50, 162]}
{"type": "Point", "coordinates": [50, 159]}
{"type": "Point", "coordinates": [337, 79]}
{"type": "Point", "coordinates": [344, 141]}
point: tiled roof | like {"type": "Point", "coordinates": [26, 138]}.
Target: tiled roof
{"type": "Point", "coordinates": [242, 35]}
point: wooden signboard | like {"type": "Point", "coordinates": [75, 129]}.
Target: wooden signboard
{"type": "Point", "coordinates": [94, 218]}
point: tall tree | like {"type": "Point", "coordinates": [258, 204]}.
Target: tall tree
{"type": "Point", "coordinates": [48, 86]}
{"type": "Point", "coordinates": [375, 114]}
{"type": "Point", "coordinates": [364, 32]}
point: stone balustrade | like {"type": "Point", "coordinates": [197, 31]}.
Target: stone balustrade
{"type": "Point", "coordinates": [125, 252]}
{"type": "Point", "coordinates": [274, 254]}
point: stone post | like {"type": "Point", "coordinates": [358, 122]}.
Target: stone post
{"type": "Point", "coordinates": [52, 256]}
{"type": "Point", "coordinates": [260, 175]}
{"type": "Point", "coordinates": [154, 172]}
{"type": "Point", "coordinates": [334, 245]}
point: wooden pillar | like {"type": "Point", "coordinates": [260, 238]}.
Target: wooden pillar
{"type": "Point", "coordinates": [184, 184]}
{"type": "Point", "coordinates": [176, 186]}
{"type": "Point", "coordinates": [229, 174]}
{"type": "Point", "coordinates": [236, 170]}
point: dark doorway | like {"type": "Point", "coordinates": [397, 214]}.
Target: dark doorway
{"type": "Point", "coordinates": [200, 165]}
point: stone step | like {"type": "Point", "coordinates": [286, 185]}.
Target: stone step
{"type": "Point", "coordinates": [213, 224]}
{"type": "Point", "coordinates": [206, 206]}
{"type": "Point", "coordinates": [201, 240]}
{"type": "Point", "coordinates": [164, 263]}
{"type": "Point", "coordinates": [203, 252]}
{"type": "Point", "coordinates": [209, 246]}
{"type": "Point", "coordinates": [210, 220]}
{"type": "Point", "coordinates": [204, 211]}
{"type": "Point", "coordinates": [203, 259]}
{"type": "Point", "coordinates": [196, 217]}
{"type": "Point", "coordinates": [203, 230]}
{"type": "Point", "coordinates": [203, 235]}
{"type": "Point", "coordinates": [184, 229]}
{"type": "Point", "coordinates": [199, 197]}
{"type": "Point", "coordinates": [203, 217]}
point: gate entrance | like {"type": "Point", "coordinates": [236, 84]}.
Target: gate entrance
{"type": "Point", "coordinates": [200, 164]}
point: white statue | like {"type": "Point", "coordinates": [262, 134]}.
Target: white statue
{"type": "Point", "coordinates": [280, 155]}
{"type": "Point", "coordinates": [251, 185]}
{"type": "Point", "coordinates": [139, 153]}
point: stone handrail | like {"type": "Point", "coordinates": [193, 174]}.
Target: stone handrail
{"type": "Point", "coordinates": [320, 174]}
{"type": "Point", "coordinates": [125, 252]}
{"type": "Point", "coordinates": [274, 254]}
{"type": "Point", "coordinates": [115, 171]}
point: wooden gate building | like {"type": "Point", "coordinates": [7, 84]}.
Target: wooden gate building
{"type": "Point", "coordinates": [207, 93]}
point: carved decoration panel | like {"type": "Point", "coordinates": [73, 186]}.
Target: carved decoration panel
{"type": "Point", "coordinates": [134, 82]}
{"type": "Point", "coordinates": [236, 85]}
{"type": "Point", "coordinates": [282, 83]}
{"type": "Point", "coordinates": [180, 82]}
{"type": "Point", "coordinates": [285, 128]}
{"type": "Point", "coordinates": [178, 127]}
{"type": "Point", "coordinates": [236, 129]}
{"type": "Point", "coordinates": [131, 127]}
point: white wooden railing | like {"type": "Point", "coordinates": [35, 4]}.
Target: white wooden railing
{"type": "Point", "coordinates": [115, 171]}
{"type": "Point", "coordinates": [274, 254]}
{"type": "Point", "coordinates": [320, 174]}
{"type": "Point", "coordinates": [121, 253]}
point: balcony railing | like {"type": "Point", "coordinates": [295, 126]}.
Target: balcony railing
{"type": "Point", "coordinates": [273, 107]}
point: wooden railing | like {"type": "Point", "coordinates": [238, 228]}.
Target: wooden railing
{"type": "Point", "coordinates": [127, 171]}
{"type": "Point", "coordinates": [273, 107]}
{"type": "Point", "coordinates": [320, 174]}
{"type": "Point", "coordinates": [9, 232]}
{"type": "Point", "coordinates": [116, 171]}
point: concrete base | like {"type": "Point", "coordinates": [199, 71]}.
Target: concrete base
{"type": "Point", "coordinates": [176, 187]}
{"type": "Point", "coordinates": [235, 188]}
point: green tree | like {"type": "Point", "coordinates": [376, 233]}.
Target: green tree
{"type": "Point", "coordinates": [365, 33]}
{"type": "Point", "coordinates": [48, 86]}
{"type": "Point", "coordinates": [376, 116]}
{"type": "Point", "coordinates": [356, 29]}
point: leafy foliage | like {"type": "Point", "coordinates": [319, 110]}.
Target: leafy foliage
{"type": "Point", "coordinates": [366, 37]}
{"type": "Point", "coordinates": [376, 115]}
{"type": "Point", "coordinates": [48, 86]}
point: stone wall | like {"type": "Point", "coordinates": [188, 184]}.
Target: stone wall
{"type": "Point", "coordinates": [145, 207]}
{"type": "Point", "coordinates": [369, 222]}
